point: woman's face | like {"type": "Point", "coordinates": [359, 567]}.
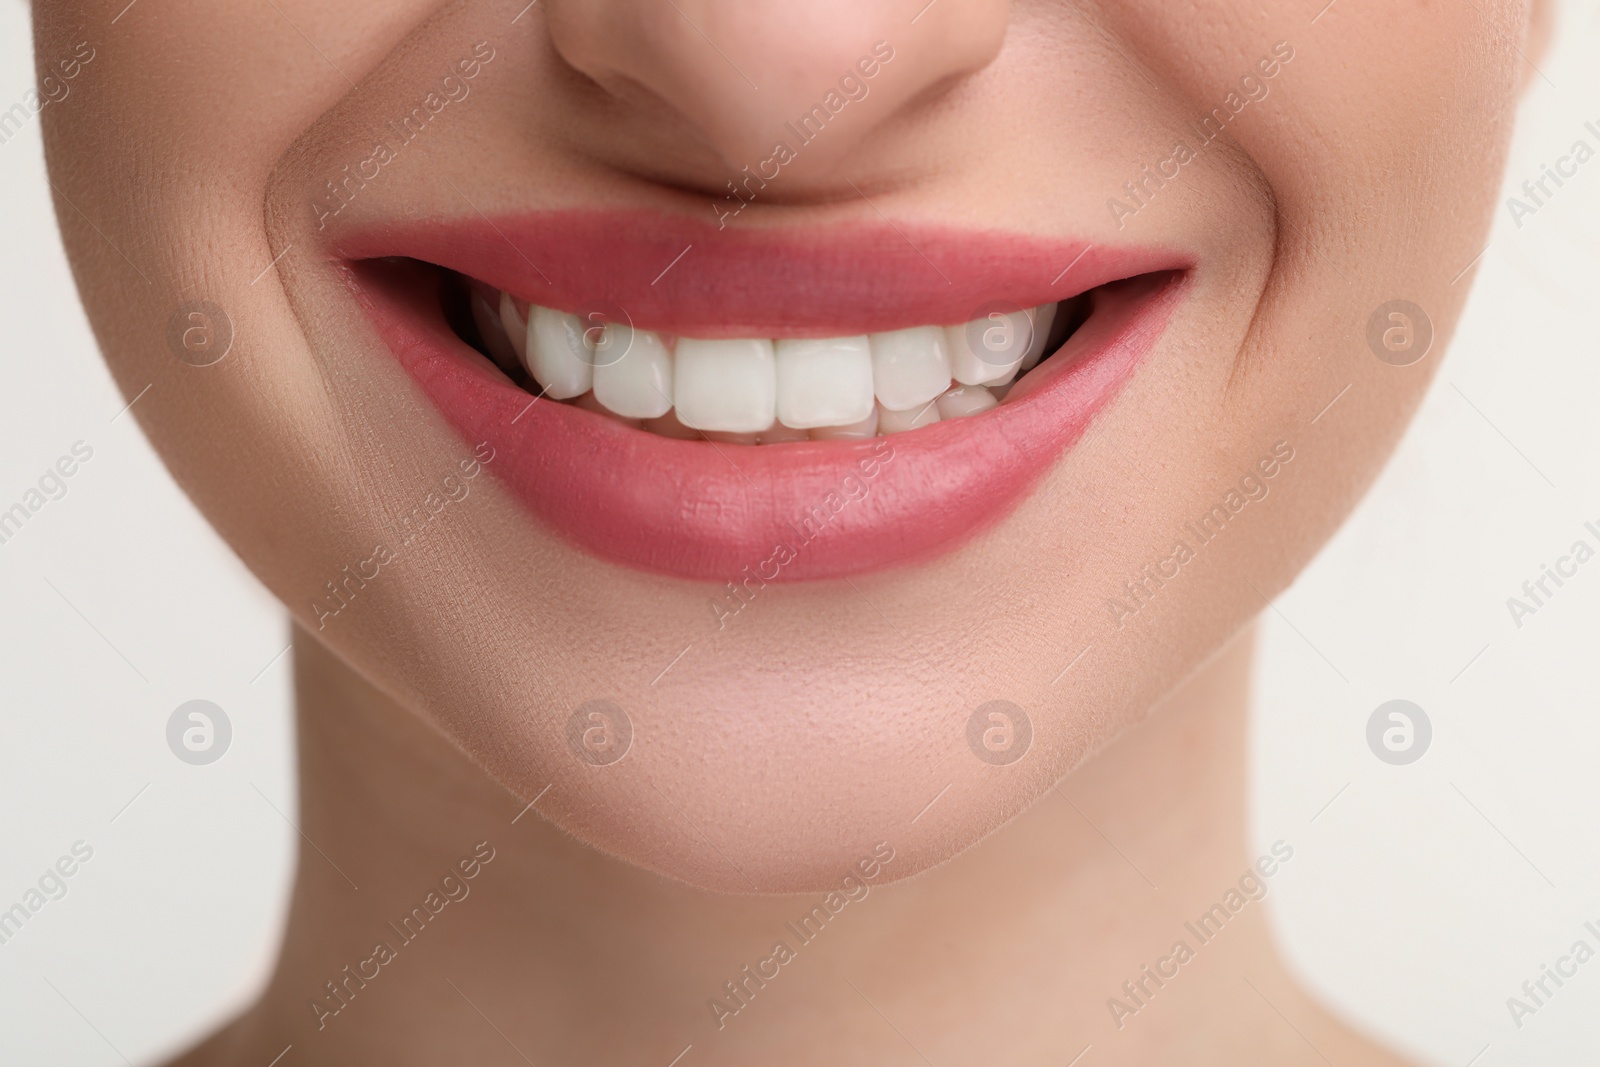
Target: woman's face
{"type": "Point", "coordinates": [745, 661]}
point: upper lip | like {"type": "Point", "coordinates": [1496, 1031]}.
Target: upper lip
{"type": "Point", "coordinates": [687, 277]}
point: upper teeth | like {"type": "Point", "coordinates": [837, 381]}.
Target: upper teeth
{"type": "Point", "coordinates": [824, 382]}
{"type": "Point", "coordinates": [632, 372]}
{"type": "Point", "coordinates": [757, 389]}
{"type": "Point", "coordinates": [729, 385]}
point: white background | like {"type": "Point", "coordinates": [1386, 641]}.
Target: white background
{"type": "Point", "coordinates": [1418, 900]}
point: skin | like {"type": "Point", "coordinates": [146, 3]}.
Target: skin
{"type": "Point", "coordinates": [772, 756]}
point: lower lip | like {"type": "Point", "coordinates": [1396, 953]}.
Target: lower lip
{"type": "Point", "coordinates": [805, 510]}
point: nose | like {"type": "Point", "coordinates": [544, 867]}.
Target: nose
{"type": "Point", "coordinates": [747, 74]}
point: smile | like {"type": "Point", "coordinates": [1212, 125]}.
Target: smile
{"type": "Point", "coordinates": [841, 402]}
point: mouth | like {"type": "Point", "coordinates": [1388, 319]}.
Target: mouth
{"type": "Point", "coordinates": [749, 406]}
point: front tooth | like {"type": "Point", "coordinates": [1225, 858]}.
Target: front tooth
{"type": "Point", "coordinates": [559, 355]}
{"type": "Point", "coordinates": [965, 400]}
{"type": "Point", "coordinates": [1043, 318]}
{"type": "Point", "coordinates": [823, 382]}
{"type": "Point", "coordinates": [892, 421]}
{"type": "Point", "coordinates": [515, 327]}
{"type": "Point", "coordinates": [910, 367]}
{"type": "Point", "coordinates": [725, 385]}
{"type": "Point", "coordinates": [988, 349]}
{"type": "Point", "coordinates": [638, 383]}
{"type": "Point", "coordinates": [859, 431]}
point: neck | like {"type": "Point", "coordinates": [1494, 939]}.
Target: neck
{"type": "Point", "coordinates": [552, 952]}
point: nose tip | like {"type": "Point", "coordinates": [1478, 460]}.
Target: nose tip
{"type": "Point", "coordinates": [746, 74]}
